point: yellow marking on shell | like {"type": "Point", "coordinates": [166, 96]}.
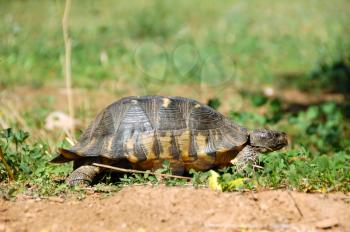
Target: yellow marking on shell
{"type": "Point", "coordinates": [106, 157]}
{"type": "Point", "coordinates": [221, 150]}
{"type": "Point", "coordinates": [68, 154]}
{"type": "Point", "coordinates": [197, 106]}
{"type": "Point", "coordinates": [166, 102]}
{"type": "Point", "coordinates": [147, 141]}
{"type": "Point", "coordinates": [183, 141]}
{"type": "Point", "coordinates": [109, 144]}
{"type": "Point", "coordinates": [134, 101]}
{"type": "Point", "coordinates": [165, 143]}
{"type": "Point", "coordinates": [205, 159]}
{"type": "Point", "coordinates": [129, 145]}
{"type": "Point", "coordinates": [201, 143]}
{"type": "Point", "coordinates": [130, 150]}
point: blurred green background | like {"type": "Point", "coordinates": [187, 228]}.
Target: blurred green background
{"type": "Point", "coordinates": [162, 42]}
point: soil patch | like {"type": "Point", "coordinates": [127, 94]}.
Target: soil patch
{"type": "Point", "coordinates": [160, 208]}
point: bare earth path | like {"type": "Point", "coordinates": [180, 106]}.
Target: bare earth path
{"type": "Point", "coordinates": [145, 208]}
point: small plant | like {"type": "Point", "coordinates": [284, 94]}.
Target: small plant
{"type": "Point", "coordinates": [28, 163]}
{"type": "Point", "coordinates": [199, 178]}
{"type": "Point", "coordinates": [18, 155]}
{"type": "Point", "coordinates": [321, 128]}
{"type": "Point", "coordinates": [332, 76]}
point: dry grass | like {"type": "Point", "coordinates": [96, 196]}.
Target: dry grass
{"type": "Point", "coordinates": [67, 67]}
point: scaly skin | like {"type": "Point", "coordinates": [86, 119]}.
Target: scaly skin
{"type": "Point", "coordinates": [248, 155]}
{"type": "Point", "coordinates": [83, 175]}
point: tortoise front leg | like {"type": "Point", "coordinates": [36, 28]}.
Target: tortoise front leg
{"type": "Point", "coordinates": [248, 155]}
{"type": "Point", "coordinates": [83, 175]}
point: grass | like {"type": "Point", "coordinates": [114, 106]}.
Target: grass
{"type": "Point", "coordinates": [264, 40]}
{"type": "Point", "coordinates": [153, 47]}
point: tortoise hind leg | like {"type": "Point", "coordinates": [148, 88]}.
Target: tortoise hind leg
{"type": "Point", "coordinates": [83, 175]}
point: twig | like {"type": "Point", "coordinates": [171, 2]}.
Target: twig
{"type": "Point", "coordinates": [67, 67]}
{"type": "Point", "coordinates": [70, 141]}
{"type": "Point", "coordinates": [138, 171]}
{"type": "Point", "coordinates": [7, 167]}
{"type": "Point", "coordinates": [295, 204]}
{"type": "Point", "coordinates": [257, 166]}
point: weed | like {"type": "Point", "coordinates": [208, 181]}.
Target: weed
{"type": "Point", "coordinates": [29, 164]}
{"type": "Point", "coordinates": [321, 128]}
{"type": "Point", "coordinates": [199, 178]}
{"type": "Point", "coordinates": [332, 76]}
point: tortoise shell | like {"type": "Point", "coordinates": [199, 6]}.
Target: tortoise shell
{"type": "Point", "coordinates": [145, 131]}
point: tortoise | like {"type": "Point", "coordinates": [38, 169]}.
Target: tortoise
{"type": "Point", "coordinates": [141, 132]}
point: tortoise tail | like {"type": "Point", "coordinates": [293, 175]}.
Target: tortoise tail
{"type": "Point", "coordinates": [65, 156]}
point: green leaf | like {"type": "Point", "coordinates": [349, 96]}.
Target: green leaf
{"type": "Point", "coordinates": [312, 113]}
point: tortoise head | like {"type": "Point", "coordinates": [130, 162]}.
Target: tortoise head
{"type": "Point", "coordinates": [268, 140]}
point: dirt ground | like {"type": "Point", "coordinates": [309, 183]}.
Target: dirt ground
{"type": "Point", "coordinates": [160, 208]}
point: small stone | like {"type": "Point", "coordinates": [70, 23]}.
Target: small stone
{"type": "Point", "coordinates": [327, 223]}
{"type": "Point", "coordinates": [264, 206]}
{"type": "Point", "coordinates": [56, 199]}
{"type": "Point", "coordinates": [269, 91]}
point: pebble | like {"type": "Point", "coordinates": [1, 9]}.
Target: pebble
{"type": "Point", "coordinates": [327, 223]}
{"type": "Point", "coordinates": [56, 199]}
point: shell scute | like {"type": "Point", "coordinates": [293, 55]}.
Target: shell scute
{"type": "Point", "coordinates": [141, 129]}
